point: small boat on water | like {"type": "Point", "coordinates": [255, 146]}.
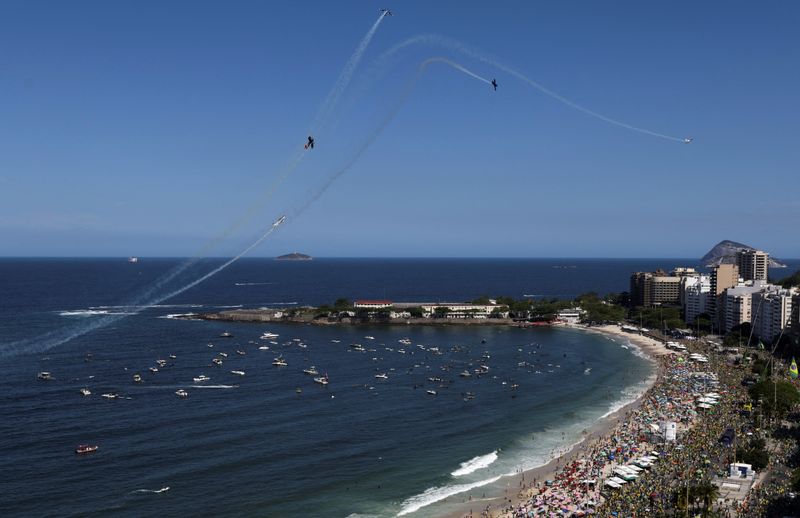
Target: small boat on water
{"type": "Point", "coordinates": [357, 347]}
{"type": "Point", "coordinates": [216, 361]}
{"type": "Point", "coordinates": [465, 374]}
{"type": "Point", "coordinates": [369, 337]}
{"type": "Point", "coordinates": [86, 392]}
{"type": "Point", "coordinates": [279, 362]}
{"type": "Point", "coordinates": [311, 371]}
{"type": "Point", "coordinates": [224, 355]}
{"type": "Point", "coordinates": [85, 448]}
{"type": "Point", "coordinates": [322, 380]}
{"type": "Point", "coordinates": [382, 376]}
{"type": "Point", "coordinates": [431, 392]}
{"type": "Point", "coordinates": [405, 341]}
{"type": "Point", "coordinates": [269, 336]}
{"type": "Point", "coordinates": [238, 373]}
{"type": "Point", "coordinates": [181, 393]}
{"type": "Point", "coordinates": [240, 353]}
{"type": "Point", "coordinates": [110, 395]}
{"type": "Point", "coordinates": [201, 378]}
{"type": "Point", "coordinates": [44, 376]}
{"type": "Point", "coordinates": [225, 334]}
{"type": "Point", "coordinates": [133, 259]}
{"type": "Point", "coordinates": [264, 348]}
{"type": "Point", "coordinates": [172, 356]}
{"type": "Point", "coordinates": [161, 363]}
{"type": "Point", "coordinates": [153, 369]}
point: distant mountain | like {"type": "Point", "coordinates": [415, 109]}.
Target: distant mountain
{"type": "Point", "coordinates": [725, 253]}
{"type": "Point", "coordinates": [294, 257]}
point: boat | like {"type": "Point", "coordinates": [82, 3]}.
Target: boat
{"type": "Point", "coordinates": [217, 361]}
{"type": "Point", "coordinates": [311, 371]}
{"type": "Point", "coordinates": [153, 369]}
{"type": "Point", "coordinates": [264, 348]}
{"type": "Point", "coordinates": [238, 373]}
{"type": "Point", "coordinates": [431, 392]}
{"type": "Point", "coordinates": [86, 392]}
{"type": "Point", "coordinates": [224, 355]}
{"type": "Point", "coordinates": [269, 336]}
{"type": "Point", "coordinates": [110, 395]}
{"type": "Point", "coordinates": [382, 376]}
{"type": "Point", "coordinates": [133, 259]}
{"type": "Point", "coordinates": [172, 356]}
{"type": "Point", "coordinates": [405, 341]}
{"type": "Point", "coordinates": [240, 353]}
{"type": "Point", "coordinates": [322, 380]}
{"type": "Point", "coordinates": [161, 363]}
{"type": "Point", "coordinates": [181, 393]}
{"type": "Point", "coordinates": [357, 347]}
{"type": "Point", "coordinates": [85, 448]}
{"type": "Point", "coordinates": [45, 376]}
{"type": "Point", "coordinates": [279, 362]}
{"type": "Point", "coordinates": [369, 337]}
{"type": "Point", "coordinates": [201, 378]}
{"type": "Point", "coordinates": [225, 334]}
{"type": "Point", "coordinates": [465, 374]}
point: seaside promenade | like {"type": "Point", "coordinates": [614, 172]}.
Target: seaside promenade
{"type": "Point", "coordinates": [576, 484]}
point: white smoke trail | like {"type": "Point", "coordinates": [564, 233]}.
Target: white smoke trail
{"type": "Point", "coordinates": [346, 75]}
{"type": "Point", "coordinates": [147, 297]}
{"type": "Point", "coordinates": [457, 66]}
{"type": "Point", "coordinates": [457, 46]}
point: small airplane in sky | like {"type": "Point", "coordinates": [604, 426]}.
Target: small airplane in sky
{"type": "Point", "coordinates": [310, 143]}
{"type": "Point", "coordinates": [386, 12]}
{"type": "Point", "coordinates": [687, 140]}
{"type": "Point", "coordinates": [279, 222]}
{"type": "Point", "coordinates": [494, 84]}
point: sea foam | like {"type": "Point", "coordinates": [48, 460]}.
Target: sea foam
{"type": "Point", "coordinates": [436, 494]}
{"type": "Point", "coordinates": [474, 464]}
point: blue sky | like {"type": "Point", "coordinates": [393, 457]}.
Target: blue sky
{"type": "Point", "coordinates": [150, 128]}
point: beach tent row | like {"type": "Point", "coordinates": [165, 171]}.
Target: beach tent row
{"type": "Point", "coordinates": [630, 472]}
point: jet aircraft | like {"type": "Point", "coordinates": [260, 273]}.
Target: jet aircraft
{"type": "Point", "coordinates": [279, 222]}
{"type": "Point", "coordinates": [687, 140]}
{"type": "Point", "coordinates": [386, 12]}
{"type": "Point", "coordinates": [310, 143]}
{"type": "Point", "coordinates": [494, 84]}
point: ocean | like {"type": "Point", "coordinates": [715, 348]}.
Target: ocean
{"type": "Point", "coordinates": [272, 442]}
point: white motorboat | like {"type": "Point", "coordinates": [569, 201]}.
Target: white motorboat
{"type": "Point", "coordinates": [311, 371]}
{"type": "Point", "coordinates": [86, 392]}
{"type": "Point", "coordinates": [431, 392]}
{"type": "Point", "coordinates": [153, 369]}
{"type": "Point", "coordinates": [137, 378]}
{"type": "Point", "coordinates": [269, 336]}
{"type": "Point", "coordinates": [217, 361]}
{"type": "Point", "coordinates": [238, 373]}
{"type": "Point", "coordinates": [110, 395]}
{"type": "Point", "coordinates": [382, 376]}
{"type": "Point", "coordinates": [279, 362]}
{"type": "Point", "coordinates": [45, 376]}
{"type": "Point", "coordinates": [322, 380]}
{"type": "Point", "coordinates": [263, 348]}
{"type": "Point", "coordinates": [181, 393]}
{"type": "Point", "coordinates": [201, 378]}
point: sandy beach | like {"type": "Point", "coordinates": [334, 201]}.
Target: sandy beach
{"type": "Point", "coordinates": [522, 487]}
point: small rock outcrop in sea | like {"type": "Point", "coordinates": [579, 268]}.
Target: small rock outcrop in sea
{"type": "Point", "coordinates": [295, 256]}
{"type": "Point", "coordinates": [725, 253]}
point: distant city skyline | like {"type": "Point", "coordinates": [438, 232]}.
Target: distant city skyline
{"type": "Point", "coordinates": [176, 130]}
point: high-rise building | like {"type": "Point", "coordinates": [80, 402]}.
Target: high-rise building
{"type": "Point", "coordinates": [753, 265]}
{"type": "Point", "coordinates": [738, 304]}
{"type": "Point", "coordinates": [640, 289]}
{"type": "Point", "coordinates": [723, 277]}
{"type": "Point", "coordinates": [665, 289]}
{"type": "Point", "coordinates": [772, 311]}
{"type": "Point", "coordinates": [696, 291]}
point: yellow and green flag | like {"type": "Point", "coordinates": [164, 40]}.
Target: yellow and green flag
{"type": "Point", "coordinates": [793, 370]}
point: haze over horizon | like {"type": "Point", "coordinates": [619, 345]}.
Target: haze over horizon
{"type": "Point", "coordinates": [148, 130]}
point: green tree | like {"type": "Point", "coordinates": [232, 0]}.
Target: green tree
{"type": "Point", "coordinates": [342, 305]}
{"type": "Point", "coordinates": [777, 397]}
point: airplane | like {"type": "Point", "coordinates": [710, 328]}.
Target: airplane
{"type": "Point", "coordinates": [279, 222]}
{"type": "Point", "coordinates": [494, 84]}
{"type": "Point", "coordinates": [310, 143]}
{"type": "Point", "coordinates": [386, 12]}
{"type": "Point", "coordinates": [687, 140]}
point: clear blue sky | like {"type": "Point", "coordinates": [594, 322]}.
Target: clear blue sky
{"type": "Point", "coordinates": [149, 128]}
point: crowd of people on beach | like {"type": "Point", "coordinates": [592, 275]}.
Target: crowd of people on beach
{"type": "Point", "coordinates": [694, 458]}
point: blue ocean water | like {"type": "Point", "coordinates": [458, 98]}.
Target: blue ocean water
{"type": "Point", "coordinates": [253, 444]}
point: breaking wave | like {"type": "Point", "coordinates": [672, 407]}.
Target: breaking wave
{"type": "Point", "coordinates": [474, 464]}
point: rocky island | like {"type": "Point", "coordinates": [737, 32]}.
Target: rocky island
{"type": "Point", "coordinates": [294, 256]}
